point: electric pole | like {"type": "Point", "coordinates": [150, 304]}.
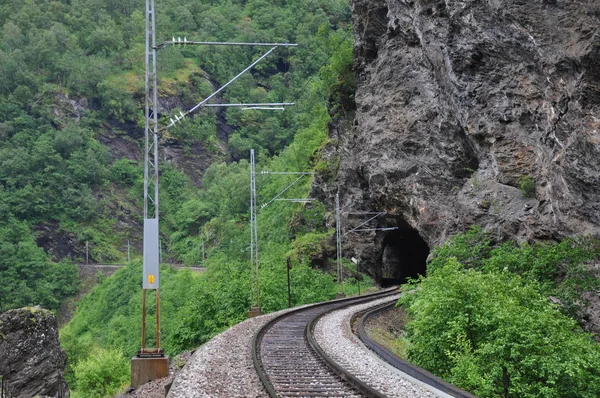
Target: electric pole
{"type": "Point", "coordinates": [143, 369]}
{"type": "Point", "coordinates": [338, 239]}
{"type": "Point", "coordinates": [254, 268]}
{"type": "Point", "coordinates": [254, 273]}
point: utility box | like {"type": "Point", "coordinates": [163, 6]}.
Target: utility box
{"type": "Point", "coordinates": [145, 369]}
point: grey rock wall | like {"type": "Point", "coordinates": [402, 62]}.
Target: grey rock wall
{"type": "Point", "coordinates": [460, 105]}
{"type": "Point", "coordinates": [31, 359]}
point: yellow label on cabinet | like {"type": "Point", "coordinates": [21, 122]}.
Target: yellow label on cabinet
{"type": "Point", "coordinates": [150, 278]}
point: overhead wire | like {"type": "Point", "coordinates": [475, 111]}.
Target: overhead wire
{"type": "Point", "coordinates": [311, 77]}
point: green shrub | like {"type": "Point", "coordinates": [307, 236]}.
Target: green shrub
{"type": "Point", "coordinates": [558, 269]}
{"type": "Point", "coordinates": [328, 169]}
{"type": "Point", "coordinates": [469, 248]}
{"type": "Point", "coordinates": [527, 186]}
{"type": "Point", "coordinates": [311, 244]}
{"type": "Point", "coordinates": [495, 335]}
{"type": "Point", "coordinates": [102, 374]}
{"type": "Point", "coordinates": [125, 172]}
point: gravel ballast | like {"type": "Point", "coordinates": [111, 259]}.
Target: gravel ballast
{"type": "Point", "coordinates": [335, 337]}
{"type": "Point", "coordinates": [223, 366]}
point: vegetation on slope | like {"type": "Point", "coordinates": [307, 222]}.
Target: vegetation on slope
{"type": "Point", "coordinates": [72, 70]}
{"type": "Point", "coordinates": [71, 75]}
{"type": "Point", "coordinates": [227, 263]}
{"type": "Point", "coordinates": [482, 319]}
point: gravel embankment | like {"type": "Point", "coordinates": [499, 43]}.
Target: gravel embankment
{"type": "Point", "coordinates": [335, 337]}
{"type": "Point", "coordinates": [223, 366]}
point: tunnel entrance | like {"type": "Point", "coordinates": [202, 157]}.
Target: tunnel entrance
{"type": "Point", "coordinates": [404, 255]}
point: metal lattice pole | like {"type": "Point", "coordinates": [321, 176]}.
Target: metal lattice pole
{"type": "Point", "coordinates": [151, 277]}
{"type": "Point", "coordinates": [151, 225]}
{"type": "Point", "coordinates": [254, 282]}
{"type": "Point", "coordinates": [151, 113]}
{"type": "Point", "coordinates": [252, 206]}
{"type": "Point", "coordinates": [254, 267]}
{"type": "Point", "coordinates": [340, 235]}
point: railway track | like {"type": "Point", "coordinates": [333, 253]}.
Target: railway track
{"type": "Point", "coordinates": [409, 369]}
{"type": "Point", "coordinates": [290, 363]}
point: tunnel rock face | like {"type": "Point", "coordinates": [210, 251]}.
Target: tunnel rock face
{"type": "Point", "coordinates": [474, 112]}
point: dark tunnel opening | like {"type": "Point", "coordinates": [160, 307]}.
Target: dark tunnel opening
{"type": "Point", "coordinates": [404, 256]}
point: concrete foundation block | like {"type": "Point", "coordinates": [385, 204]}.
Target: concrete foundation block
{"type": "Point", "coordinates": [145, 369]}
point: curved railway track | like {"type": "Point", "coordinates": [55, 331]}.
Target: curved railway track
{"type": "Point", "coordinates": [411, 370]}
{"type": "Point", "coordinates": [290, 364]}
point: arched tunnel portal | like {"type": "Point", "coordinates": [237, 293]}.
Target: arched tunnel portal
{"type": "Point", "coordinates": [404, 255]}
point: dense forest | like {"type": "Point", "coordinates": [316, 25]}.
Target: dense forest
{"type": "Point", "coordinates": [71, 92]}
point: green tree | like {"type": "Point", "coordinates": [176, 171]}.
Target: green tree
{"type": "Point", "coordinates": [27, 277]}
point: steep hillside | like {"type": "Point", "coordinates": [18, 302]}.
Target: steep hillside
{"type": "Point", "coordinates": [71, 127]}
{"type": "Point", "coordinates": [71, 136]}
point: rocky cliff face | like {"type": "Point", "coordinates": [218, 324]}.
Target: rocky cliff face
{"type": "Point", "coordinates": [31, 359]}
{"type": "Point", "coordinates": [472, 112]}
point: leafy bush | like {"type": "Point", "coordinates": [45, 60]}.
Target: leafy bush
{"type": "Point", "coordinates": [102, 374]}
{"type": "Point", "coordinates": [527, 186]}
{"type": "Point", "coordinates": [494, 334]}
{"type": "Point", "coordinates": [116, 101]}
{"type": "Point", "coordinates": [308, 245]}
{"type": "Point", "coordinates": [469, 248]}
{"type": "Point", "coordinates": [558, 269]}
{"type": "Point", "coordinates": [125, 172]}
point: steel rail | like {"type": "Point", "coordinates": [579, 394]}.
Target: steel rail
{"type": "Point", "coordinates": [317, 310]}
{"type": "Point", "coordinates": [355, 382]}
{"type": "Point", "coordinates": [412, 370]}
